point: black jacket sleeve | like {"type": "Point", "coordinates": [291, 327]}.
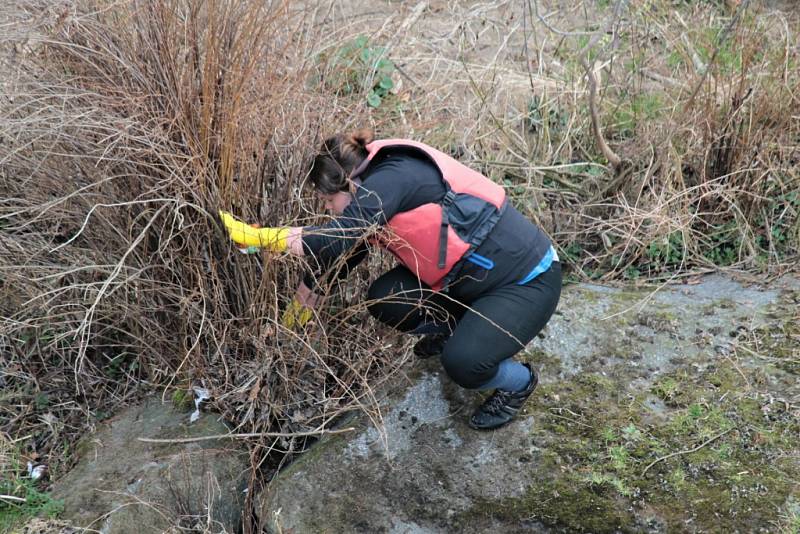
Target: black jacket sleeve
{"type": "Point", "coordinates": [342, 269]}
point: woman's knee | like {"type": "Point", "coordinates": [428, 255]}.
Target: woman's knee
{"type": "Point", "coordinates": [378, 305]}
{"type": "Point", "coordinates": [465, 369]}
{"type": "Point", "coordinates": [394, 301]}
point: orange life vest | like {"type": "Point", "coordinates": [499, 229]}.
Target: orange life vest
{"type": "Point", "coordinates": [432, 239]}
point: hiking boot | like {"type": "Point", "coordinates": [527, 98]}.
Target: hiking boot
{"type": "Point", "coordinates": [501, 406]}
{"type": "Point", "coordinates": [430, 345]}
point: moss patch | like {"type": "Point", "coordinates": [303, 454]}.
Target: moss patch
{"type": "Point", "coordinates": [705, 444]}
{"type": "Point", "coordinates": [566, 501]}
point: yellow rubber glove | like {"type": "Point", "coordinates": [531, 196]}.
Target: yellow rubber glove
{"type": "Point", "coordinates": [272, 239]}
{"type": "Point", "coordinates": [296, 314]}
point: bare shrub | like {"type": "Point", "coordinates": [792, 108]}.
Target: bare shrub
{"type": "Point", "coordinates": [696, 105]}
{"type": "Point", "coordinates": [128, 126]}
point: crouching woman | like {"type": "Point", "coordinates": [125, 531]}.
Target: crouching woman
{"type": "Point", "coordinates": [474, 277]}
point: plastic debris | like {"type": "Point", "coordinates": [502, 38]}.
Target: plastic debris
{"type": "Point", "coordinates": [200, 395]}
{"type": "Point", "coordinates": [36, 472]}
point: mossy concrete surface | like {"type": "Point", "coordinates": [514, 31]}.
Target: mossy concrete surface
{"type": "Point", "coordinates": [676, 410]}
{"type": "Point", "coordinates": [122, 485]}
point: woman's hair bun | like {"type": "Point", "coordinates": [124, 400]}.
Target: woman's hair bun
{"type": "Point", "coordinates": [337, 158]}
{"type": "Point", "coordinates": [361, 137]}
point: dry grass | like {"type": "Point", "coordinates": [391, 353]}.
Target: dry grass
{"type": "Point", "coordinates": [696, 99]}
{"type": "Point", "coordinates": [127, 124]}
{"type": "Point", "coordinates": [710, 178]}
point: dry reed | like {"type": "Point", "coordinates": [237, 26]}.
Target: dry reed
{"type": "Point", "coordinates": [129, 125]}
{"type": "Point", "coordinates": [126, 125]}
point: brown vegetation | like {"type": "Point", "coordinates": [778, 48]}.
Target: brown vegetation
{"type": "Point", "coordinates": [127, 125]}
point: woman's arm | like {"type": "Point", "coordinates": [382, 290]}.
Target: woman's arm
{"type": "Point", "coordinates": [294, 241]}
{"type": "Point", "coordinates": [299, 311]}
{"type": "Point", "coordinates": [278, 239]}
{"type": "Point", "coordinates": [305, 296]}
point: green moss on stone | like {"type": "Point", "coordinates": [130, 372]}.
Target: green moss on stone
{"type": "Point", "coordinates": [600, 440]}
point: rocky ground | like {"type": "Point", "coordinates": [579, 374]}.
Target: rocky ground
{"type": "Point", "coordinates": [662, 411]}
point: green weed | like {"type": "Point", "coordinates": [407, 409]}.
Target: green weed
{"type": "Point", "coordinates": [619, 457]}
{"type": "Point", "coordinates": [666, 388]}
{"type": "Point", "coordinates": [728, 55]}
{"type": "Point", "coordinates": [631, 433]}
{"type": "Point", "coordinates": [667, 251]}
{"type": "Point", "coordinates": [609, 434]}
{"type": "Point", "coordinates": [601, 479]}
{"type": "Point", "coordinates": [643, 107]}
{"type": "Point", "coordinates": [120, 365]}
{"type": "Point", "coordinates": [543, 115]}
{"type": "Point", "coordinates": [725, 241]}
{"type": "Point", "coordinates": [36, 503]}
{"type": "Point", "coordinates": [573, 252]}
{"type": "Point", "coordinates": [20, 498]}
{"type": "Point", "coordinates": [357, 66]}
{"type": "Point", "coordinates": [182, 399]}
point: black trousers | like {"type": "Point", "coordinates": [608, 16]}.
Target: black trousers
{"type": "Point", "coordinates": [491, 328]}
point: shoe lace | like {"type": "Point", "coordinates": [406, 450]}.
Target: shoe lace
{"type": "Point", "coordinates": [496, 402]}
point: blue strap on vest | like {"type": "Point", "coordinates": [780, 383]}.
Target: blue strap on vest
{"type": "Point", "coordinates": [481, 261]}
{"type": "Point", "coordinates": [541, 267]}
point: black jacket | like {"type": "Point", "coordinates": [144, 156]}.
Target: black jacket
{"type": "Point", "coordinates": [400, 181]}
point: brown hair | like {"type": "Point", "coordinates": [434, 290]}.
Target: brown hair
{"type": "Point", "coordinates": [337, 158]}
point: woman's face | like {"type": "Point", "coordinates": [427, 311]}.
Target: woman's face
{"type": "Point", "coordinates": [337, 202]}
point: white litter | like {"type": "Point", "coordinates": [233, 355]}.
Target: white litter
{"type": "Point", "coordinates": [200, 395]}
{"type": "Point", "coordinates": [36, 472]}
